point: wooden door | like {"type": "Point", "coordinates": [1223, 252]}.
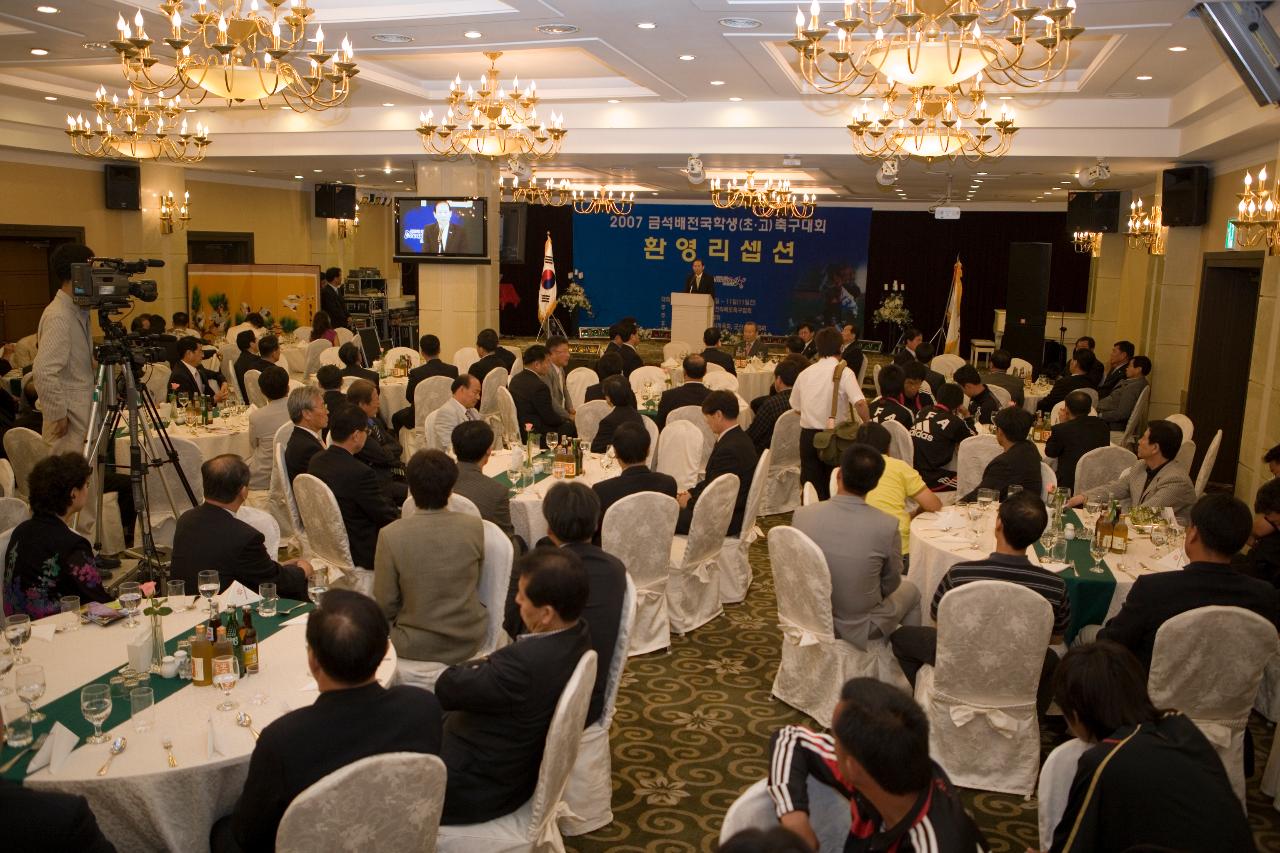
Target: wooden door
{"type": "Point", "coordinates": [25, 287]}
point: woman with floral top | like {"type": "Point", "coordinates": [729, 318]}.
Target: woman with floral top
{"type": "Point", "coordinates": [46, 558]}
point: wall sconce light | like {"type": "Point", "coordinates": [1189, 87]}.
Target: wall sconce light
{"type": "Point", "coordinates": [1258, 218]}
{"type": "Point", "coordinates": [1088, 242]}
{"type": "Point", "coordinates": [347, 228]}
{"type": "Point", "coordinates": [172, 213]}
{"type": "Point", "coordinates": [1145, 229]}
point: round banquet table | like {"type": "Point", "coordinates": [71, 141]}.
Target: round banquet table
{"type": "Point", "coordinates": [1095, 597]}
{"type": "Point", "coordinates": [754, 379]}
{"type": "Point", "coordinates": [391, 395]}
{"type": "Point", "coordinates": [526, 507]}
{"type": "Point", "coordinates": [1033, 394]}
{"type": "Point", "coordinates": [295, 356]}
{"type": "Point", "coordinates": [225, 435]}
{"type": "Point", "coordinates": [142, 804]}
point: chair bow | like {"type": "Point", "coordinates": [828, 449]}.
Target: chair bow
{"type": "Point", "coordinates": [798, 633]}
{"type": "Point", "coordinates": [653, 594]}
{"type": "Point", "coordinates": [549, 837]}
{"type": "Point", "coordinates": [1219, 732]}
{"type": "Point", "coordinates": [702, 571]}
{"type": "Point", "coordinates": [1005, 724]}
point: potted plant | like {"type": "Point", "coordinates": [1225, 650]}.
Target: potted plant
{"type": "Point", "coordinates": [893, 313]}
{"type": "Point", "coordinates": [574, 299]}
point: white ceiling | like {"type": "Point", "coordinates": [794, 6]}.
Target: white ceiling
{"type": "Point", "coordinates": [1192, 108]}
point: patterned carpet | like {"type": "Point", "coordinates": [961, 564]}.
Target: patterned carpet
{"type": "Point", "coordinates": [692, 731]}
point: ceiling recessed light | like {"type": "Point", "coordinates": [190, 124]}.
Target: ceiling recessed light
{"type": "Point", "coordinates": [652, 193]}
{"type": "Point", "coordinates": [286, 108]}
{"type": "Point", "coordinates": [388, 104]}
{"type": "Point", "coordinates": [317, 171]}
{"type": "Point", "coordinates": [398, 181]}
{"type": "Point", "coordinates": [252, 171]}
{"type": "Point", "coordinates": [1177, 48]}
{"type": "Point", "coordinates": [39, 51]}
{"type": "Point", "coordinates": [359, 176]}
{"type": "Point", "coordinates": [473, 34]}
{"type": "Point", "coordinates": [190, 109]}
{"type": "Point", "coordinates": [740, 23]}
{"type": "Point", "coordinates": [982, 173]}
{"type": "Point", "coordinates": [647, 25]}
{"type": "Point", "coordinates": [1144, 77]}
{"type": "Point", "coordinates": [50, 98]}
{"type": "Point", "coordinates": [1006, 97]}
{"type": "Point", "coordinates": [735, 99]}
{"type": "Point", "coordinates": [556, 29]}
{"type": "Point", "coordinates": [392, 38]}
{"type": "Point", "coordinates": [387, 170]}
{"type": "Point", "coordinates": [47, 10]}
{"type": "Point", "coordinates": [717, 82]}
{"type": "Point", "coordinates": [614, 101]}
{"type": "Point", "coordinates": [297, 177]}
{"type": "Point", "coordinates": [684, 57]}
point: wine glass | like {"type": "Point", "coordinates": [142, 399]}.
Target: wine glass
{"type": "Point", "coordinates": [515, 465]}
{"type": "Point", "coordinates": [318, 585]}
{"type": "Point", "coordinates": [6, 664]}
{"type": "Point", "coordinates": [553, 441]}
{"type": "Point", "coordinates": [1160, 536]}
{"type": "Point", "coordinates": [95, 705]}
{"type": "Point", "coordinates": [987, 497]}
{"type": "Point", "coordinates": [208, 583]}
{"type": "Point", "coordinates": [29, 680]}
{"type": "Point", "coordinates": [226, 672]}
{"type": "Point", "coordinates": [17, 630]}
{"type": "Point", "coordinates": [130, 595]}
{"type": "Point", "coordinates": [1097, 550]}
{"type": "Point", "coordinates": [610, 456]}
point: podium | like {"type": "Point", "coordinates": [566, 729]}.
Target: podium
{"type": "Point", "coordinates": [691, 315]}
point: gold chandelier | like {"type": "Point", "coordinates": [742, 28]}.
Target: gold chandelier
{"type": "Point", "coordinates": [1088, 242]}
{"type": "Point", "coordinates": [771, 198]}
{"type": "Point", "coordinates": [172, 213]}
{"type": "Point", "coordinates": [602, 200]}
{"type": "Point", "coordinates": [137, 128]}
{"type": "Point", "coordinates": [1258, 218]}
{"type": "Point", "coordinates": [937, 43]}
{"type": "Point", "coordinates": [491, 121]}
{"type": "Point", "coordinates": [230, 49]}
{"type": "Point", "coordinates": [930, 124]}
{"type": "Point", "coordinates": [1144, 228]}
{"type": "Point", "coordinates": [549, 193]}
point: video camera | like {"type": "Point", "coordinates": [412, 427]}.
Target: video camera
{"type": "Point", "coordinates": [104, 282]}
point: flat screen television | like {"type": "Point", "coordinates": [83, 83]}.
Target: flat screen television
{"type": "Point", "coordinates": [438, 229]}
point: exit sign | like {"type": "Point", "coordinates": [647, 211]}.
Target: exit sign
{"type": "Point", "coordinates": [1231, 235]}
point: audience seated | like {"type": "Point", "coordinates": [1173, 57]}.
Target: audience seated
{"type": "Point", "coordinates": [623, 337]}
{"type": "Point", "coordinates": [864, 553]}
{"type": "Point", "coordinates": [1086, 342]}
{"type": "Point", "coordinates": [936, 436]}
{"type": "Point", "coordinates": [795, 347]}
{"type": "Point", "coordinates": [364, 505]}
{"type": "Point", "coordinates": [691, 393]}
{"type": "Point", "coordinates": [322, 322]}
{"type": "Point", "coordinates": [1074, 435]}
{"type": "Point", "coordinates": [622, 402]}
{"type": "Point", "coordinates": [999, 374]}
{"type": "Point", "coordinates": [609, 364]}
{"type": "Point", "coordinates": [46, 558]}
{"type": "Point", "coordinates": [852, 354]}
{"type": "Point", "coordinates": [712, 352]}
{"type": "Point", "coordinates": [733, 454]}
{"type": "Point", "coordinates": [329, 378]}
{"type": "Point", "coordinates": [1149, 779]}
{"type": "Point", "coordinates": [916, 400]}
{"type": "Point", "coordinates": [878, 757]}
{"type": "Point", "coordinates": [498, 709]}
{"type": "Point", "coordinates": [210, 536]}
{"type": "Point", "coordinates": [1154, 480]}
{"type": "Point", "coordinates": [310, 415]}
{"type": "Point", "coordinates": [269, 349]}
{"type": "Point", "coordinates": [1263, 559]}
{"type": "Point", "coordinates": [188, 376]}
{"type": "Point", "coordinates": [489, 349]}
{"type": "Point", "coordinates": [1272, 460]}
{"type": "Point", "coordinates": [1117, 367]}
{"type": "Point", "coordinates": [265, 422]}
{"type": "Point", "coordinates": [1218, 528]}
{"type": "Point", "coordinates": [533, 398]}
{"type": "Point", "coordinates": [507, 356]}
{"type": "Point", "coordinates": [1019, 522]}
{"type": "Point", "coordinates": [773, 405]}
{"type": "Point", "coordinates": [181, 325]}
{"type": "Point", "coordinates": [924, 354]}
{"type": "Point", "coordinates": [898, 482]}
{"type": "Point", "coordinates": [429, 347]}
{"type": "Point", "coordinates": [354, 717]}
{"type": "Point", "coordinates": [35, 819]}
{"type": "Point", "coordinates": [473, 445]}
{"type": "Point", "coordinates": [557, 361]}
{"type": "Point", "coordinates": [889, 406]}
{"type": "Point", "coordinates": [459, 408]}
{"type": "Point", "coordinates": [1117, 407]}
{"type": "Point", "coordinates": [352, 357]}
{"type": "Point", "coordinates": [1019, 462]}
{"type": "Point", "coordinates": [805, 332]}
{"type": "Point", "coordinates": [382, 451]}
{"type": "Point", "coordinates": [1077, 379]}
{"type": "Point", "coordinates": [751, 346]}
{"type": "Point", "coordinates": [248, 360]}
{"type": "Point", "coordinates": [432, 601]}
{"type": "Point", "coordinates": [982, 403]}
{"type": "Point", "coordinates": [631, 447]}
{"type": "Point", "coordinates": [29, 414]}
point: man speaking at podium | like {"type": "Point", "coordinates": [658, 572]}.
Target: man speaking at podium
{"type": "Point", "coordinates": [699, 281]}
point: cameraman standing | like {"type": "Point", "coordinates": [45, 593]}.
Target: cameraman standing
{"type": "Point", "coordinates": [63, 370]}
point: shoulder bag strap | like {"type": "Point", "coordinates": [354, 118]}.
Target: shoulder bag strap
{"type": "Point", "coordinates": [835, 388]}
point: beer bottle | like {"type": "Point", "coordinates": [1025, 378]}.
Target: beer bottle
{"type": "Point", "coordinates": [1120, 536]}
{"type": "Point", "coordinates": [249, 644]}
{"type": "Point", "coordinates": [201, 661]}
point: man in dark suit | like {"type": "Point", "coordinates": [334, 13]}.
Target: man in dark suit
{"type": "Point", "coordinates": [498, 709]}
{"type": "Point", "coordinates": [852, 354]}
{"type": "Point", "coordinates": [1077, 379]}
{"type": "Point", "coordinates": [1219, 528]}
{"type": "Point", "coordinates": [248, 360]}
{"type": "Point", "coordinates": [211, 537]}
{"type": "Point", "coordinates": [924, 354]}
{"type": "Point", "coordinates": [609, 364]}
{"type": "Point", "coordinates": [617, 391]}
{"type": "Point", "coordinates": [751, 346]}
{"type": "Point", "coordinates": [346, 640]}
{"type": "Point", "coordinates": [1020, 462]}
{"type": "Point", "coordinates": [734, 453]}
{"type": "Point", "coordinates": [805, 333]}
{"type": "Point", "coordinates": [188, 376]}
{"type": "Point", "coordinates": [49, 820]}
{"type": "Point", "coordinates": [310, 418]}
{"type": "Point", "coordinates": [623, 337]}
{"type": "Point", "coordinates": [1086, 342]}
{"type": "Point", "coordinates": [364, 505]}
{"type": "Point", "coordinates": [488, 348]}
{"type": "Point", "coordinates": [631, 447]}
{"type": "Point", "coordinates": [331, 300]}
{"type": "Point", "coordinates": [691, 393]}
{"type": "Point", "coordinates": [572, 511]}
{"type": "Point", "coordinates": [533, 397]}
{"type": "Point", "coordinates": [999, 374]}
{"type": "Point", "coordinates": [713, 354]}
{"type": "Point", "coordinates": [329, 378]}
{"type": "Point", "coordinates": [1073, 437]}
{"type": "Point", "coordinates": [507, 356]}
{"type": "Point", "coordinates": [444, 236]}
{"type": "Point", "coordinates": [1121, 354]}
{"type": "Point", "coordinates": [381, 452]}
{"type": "Point", "coordinates": [429, 346]}
{"type": "Point", "coordinates": [473, 445]}
{"type": "Point", "coordinates": [350, 355]}
{"type": "Point", "coordinates": [699, 280]}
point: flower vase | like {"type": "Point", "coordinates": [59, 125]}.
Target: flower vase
{"type": "Point", "coordinates": [157, 643]}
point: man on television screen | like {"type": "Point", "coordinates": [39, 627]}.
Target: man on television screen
{"type": "Point", "coordinates": [444, 236]}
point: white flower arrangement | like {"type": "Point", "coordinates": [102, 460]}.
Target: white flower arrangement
{"type": "Point", "coordinates": [573, 296]}
{"type": "Point", "coordinates": [893, 310]}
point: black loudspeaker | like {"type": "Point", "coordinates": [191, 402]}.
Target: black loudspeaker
{"type": "Point", "coordinates": [335, 201]}
{"type": "Point", "coordinates": [1093, 211]}
{"type": "Point", "coordinates": [1184, 196]}
{"type": "Point", "coordinates": [1027, 300]}
{"type": "Point", "coordinates": [123, 182]}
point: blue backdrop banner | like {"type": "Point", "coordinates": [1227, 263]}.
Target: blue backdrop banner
{"type": "Point", "coordinates": [777, 272]}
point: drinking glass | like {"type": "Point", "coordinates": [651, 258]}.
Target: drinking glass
{"type": "Point", "coordinates": [6, 664]}
{"type": "Point", "coordinates": [987, 497]}
{"type": "Point", "coordinates": [174, 590]}
{"type": "Point", "coordinates": [17, 725]}
{"type": "Point", "coordinates": [225, 675]}
{"type": "Point", "coordinates": [208, 583]}
{"type": "Point", "coordinates": [1093, 506]}
{"type": "Point", "coordinates": [17, 630]}
{"type": "Point", "coordinates": [1097, 550]}
{"type": "Point", "coordinates": [130, 595]}
{"type": "Point", "coordinates": [1014, 489]}
{"type": "Point", "coordinates": [270, 599]}
{"type": "Point", "coordinates": [142, 707]}
{"type": "Point", "coordinates": [1160, 536]}
{"type": "Point", "coordinates": [610, 456]}
{"type": "Point", "coordinates": [70, 605]}
{"type": "Point", "coordinates": [553, 441]}
{"type": "Point", "coordinates": [29, 682]}
{"type": "Point", "coordinates": [318, 585]}
{"type": "Point", "coordinates": [515, 465]}
{"type": "Point", "coordinates": [1059, 551]}
{"type": "Point", "coordinates": [95, 705]}
{"type": "Point", "coordinates": [1048, 537]}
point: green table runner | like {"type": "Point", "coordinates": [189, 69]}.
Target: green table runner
{"type": "Point", "coordinates": [66, 709]}
{"type": "Point", "coordinates": [544, 456]}
{"type": "Point", "coordinates": [1090, 591]}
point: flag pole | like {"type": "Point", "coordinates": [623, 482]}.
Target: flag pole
{"type": "Point", "coordinates": [548, 293]}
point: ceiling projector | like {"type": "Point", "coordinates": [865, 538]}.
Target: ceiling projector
{"type": "Point", "coordinates": [694, 170]}
{"type": "Point", "coordinates": [1095, 174]}
{"type": "Point", "coordinates": [888, 174]}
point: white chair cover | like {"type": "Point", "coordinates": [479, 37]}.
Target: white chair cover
{"type": "Point", "coordinates": [900, 443]}
{"type": "Point", "coordinates": [227, 355]}
{"type": "Point", "coordinates": [12, 513]}
{"type": "Point", "coordinates": [1056, 776]}
{"type": "Point", "coordinates": [464, 358]}
{"type": "Point", "coordinates": [281, 502]}
{"type": "Point", "coordinates": [533, 826]}
{"type": "Point", "coordinates": [693, 593]}
{"type": "Point", "coordinates": [495, 579]}
{"type": "Point", "coordinates": [1186, 456]}
{"type": "Point", "coordinates": [1208, 663]}
{"type": "Point", "coordinates": [588, 419]}
{"type": "Point", "coordinates": [1136, 423]}
{"type": "Point", "coordinates": [639, 530]}
{"type": "Point", "coordinates": [875, 376]}
{"type": "Point", "coordinates": [329, 356]}
{"type": "Point", "coordinates": [429, 395]}
{"type": "Point", "coordinates": [1002, 395]}
{"type": "Point", "coordinates": [577, 383]}
{"type": "Point", "coordinates": [721, 381]}
{"type": "Point", "coordinates": [427, 439]}
{"type": "Point", "coordinates": [648, 373]}
{"type": "Point", "coordinates": [814, 664]}
{"type": "Point", "coordinates": [1268, 702]}
{"type": "Point", "coordinates": [392, 356]}
{"type": "Point", "coordinates": [679, 452]}
{"type": "Point", "coordinates": [947, 364]}
{"type": "Point", "coordinates": [253, 389]}
{"type": "Point", "coordinates": [493, 380]}
{"type": "Point", "coordinates": [326, 532]}
{"type": "Point", "coordinates": [8, 483]}
{"type": "Point", "coordinates": [651, 427]}
{"type": "Point", "coordinates": [1048, 480]}
{"type": "Point", "coordinates": [693, 414]}
{"type": "Point", "coordinates": [782, 486]}
{"type": "Point", "coordinates": [1184, 423]}
{"type": "Point", "coordinates": [457, 503]}
{"type": "Point", "coordinates": [164, 512]}
{"type": "Point", "coordinates": [343, 335]}
{"type": "Point", "coordinates": [346, 382]}
{"type": "Point", "coordinates": [1101, 465]}
{"type": "Point", "coordinates": [712, 367]}
{"type": "Point", "coordinates": [25, 448]}
{"type": "Point", "coordinates": [262, 521]}
{"type": "Point", "coordinates": [589, 792]}
{"type": "Point", "coordinates": [808, 495]}
{"type": "Point", "coordinates": [314, 350]}
{"type": "Point", "coordinates": [971, 460]}
{"type": "Point", "coordinates": [302, 334]}
{"type": "Point", "coordinates": [508, 421]}
{"type": "Point", "coordinates": [157, 380]}
{"type": "Point", "coordinates": [1019, 367]}
{"type": "Point", "coordinates": [735, 569]}
{"type": "Point", "coordinates": [518, 364]}
{"type": "Point", "coordinates": [980, 696]}
{"type": "Point", "coordinates": [675, 350]}
{"type": "Point", "coordinates": [1056, 412]}
{"type": "Point", "coordinates": [828, 814]}
{"type": "Point", "coordinates": [1207, 463]}
{"type": "Point", "coordinates": [384, 802]}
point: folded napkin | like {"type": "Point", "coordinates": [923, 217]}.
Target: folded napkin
{"type": "Point", "coordinates": [219, 739]}
{"type": "Point", "coordinates": [43, 631]}
{"type": "Point", "coordinates": [1056, 568]}
{"type": "Point", "coordinates": [238, 595]}
{"type": "Point", "coordinates": [1171, 562]}
{"type": "Point", "coordinates": [56, 748]}
{"type": "Point", "coordinates": [300, 619]}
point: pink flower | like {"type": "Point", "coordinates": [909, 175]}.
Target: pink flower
{"type": "Point", "coordinates": [149, 588]}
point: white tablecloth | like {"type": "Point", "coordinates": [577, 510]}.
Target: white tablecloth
{"type": "Point", "coordinates": [1033, 394]}
{"type": "Point", "coordinates": [295, 356]}
{"type": "Point", "coordinates": [754, 380]}
{"type": "Point", "coordinates": [526, 508]}
{"type": "Point", "coordinates": [391, 396]}
{"type": "Point", "coordinates": [142, 804]}
{"type": "Point", "coordinates": [226, 435]}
